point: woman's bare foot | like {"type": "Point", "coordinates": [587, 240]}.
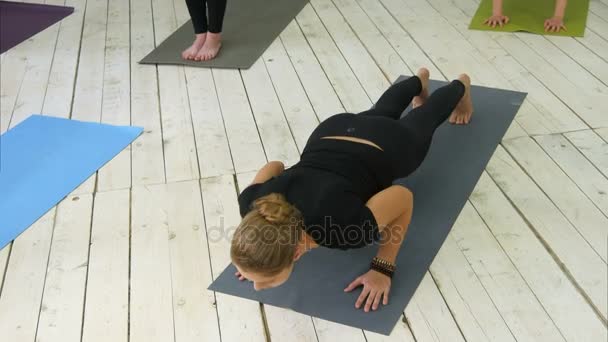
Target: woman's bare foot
{"type": "Point", "coordinates": [211, 48]}
{"type": "Point", "coordinates": [199, 41]}
{"type": "Point", "coordinates": [423, 74]}
{"type": "Point", "coordinates": [464, 110]}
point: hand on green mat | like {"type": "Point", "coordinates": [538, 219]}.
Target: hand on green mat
{"type": "Point", "coordinates": [376, 287]}
{"type": "Point", "coordinates": [495, 20]}
{"type": "Point", "coordinates": [555, 24]}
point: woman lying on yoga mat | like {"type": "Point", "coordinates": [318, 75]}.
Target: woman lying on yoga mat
{"type": "Point", "coordinates": [340, 195]}
{"type": "Point", "coordinates": [208, 31]}
{"type": "Point", "coordinates": [554, 24]}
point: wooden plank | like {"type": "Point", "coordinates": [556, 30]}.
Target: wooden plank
{"type": "Point", "coordinates": [181, 160]}
{"type": "Point", "coordinates": [447, 47]}
{"type": "Point", "coordinates": [116, 102]}
{"type": "Point", "coordinates": [428, 315]}
{"type": "Point", "coordinates": [362, 64]}
{"type": "Point", "coordinates": [470, 304]}
{"type": "Point", "coordinates": [24, 281]}
{"type": "Point", "coordinates": [288, 325]}
{"type": "Point", "coordinates": [605, 2]}
{"type": "Point", "coordinates": [106, 316]}
{"type": "Point", "coordinates": [13, 71]}
{"type": "Point", "coordinates": [270, 120]}
{"type": "Point", "coordinates": [587, 269]}
{"type": "Point", "coordinates": [583, 56]}
{"type": "Point", "coordinates": [508, 288]}
{"type": "Point", "coordinates": [592, 146]}
{"type": "Point", "coordinates": [586, 105]}
{"type": "Point", "coordinates": [599, 9]}
{"type": "Point", "coordinates": [239, 319]}
{"type": "Point", "coordinates": [595, 43]}
{"type": "Point", "coordinates": [195, 316]}
{"type": "Point", "coordinates": [243, 137]}
{"type": "Point", "coordinates": [150, 311]}
{"type": "Point", "coordinates": [541, 112]}
{"type": "Point", "coordinates": [401, 333]}
{"type": "Point", "coordinates": [596, 24]}
{"type": "Point", "coordinates": [329, 331]}
{"type": "Point", "coordinates": [296, 105]}
{"type": "Point", "coordinates": [563, 192]}
{"type": "Point", "coordinates": [88, 90]}
{"type": "Point", "coordinates": [4, 255]}
{"type": "Point", "coordinates": [565, 64]}
{"type": "Point", "coordinates": [347, 86]}
{"type": "Point", "coordinates": [35, 79]}
{"type": "Point", "coordinates": [578, 168]}
{"type": "Point", "coordinates": [60, 89]}
{"type": "Point", "coordinates": [602, 132]}
{"type": "Point", "coordinates": [387, 59]}
{"type": "Point", "coordinates": [316, 83]}
{"type": "Point", "coordinates": [399, 38]}
{"type": "Point", "coordinates": [147, 152]}
{"type": "Point", "coordinates": [568, 309]}
{"type": "Point", "coordinates": [212, 145]}
{"type": "Point", "coordinates": [61, 312]}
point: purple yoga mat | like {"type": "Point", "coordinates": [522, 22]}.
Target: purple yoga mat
{"type": "Point", "coordinates": [20, 21]}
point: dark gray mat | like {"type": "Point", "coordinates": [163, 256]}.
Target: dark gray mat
{"type": "Point", "coordinates": [250, 26]}
{"type": "Point", "coordinates": [441, 186]}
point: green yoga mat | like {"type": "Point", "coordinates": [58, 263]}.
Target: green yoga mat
{"type": "Point", "coordinates": [530, 16]}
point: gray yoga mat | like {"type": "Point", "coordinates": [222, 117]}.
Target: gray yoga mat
{"type": "Point", "coordinates": [441, 186]}
{"type": "Point", "coordinates": [250, 26]}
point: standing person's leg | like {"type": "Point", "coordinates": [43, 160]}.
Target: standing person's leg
{"type": "Point", "coordinates": [198, 13]}
{"type": "Point", "coordinates": [217, 9]}
{"type": "Point", "coordinates": [452, 101]}
{"type": "Point", "coordinates": [396, 98]}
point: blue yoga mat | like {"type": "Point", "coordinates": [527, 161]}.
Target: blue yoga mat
{"type": "Point", "coordinates": [43, 159]}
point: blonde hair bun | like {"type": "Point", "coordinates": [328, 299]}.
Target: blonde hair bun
{"type": "Point", "coordinates": [274, 208]}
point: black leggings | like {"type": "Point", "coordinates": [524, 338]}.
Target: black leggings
{"type": "Point", "coordinates": [198, 12]}
{"type": "Point", "coordinates": [406, 140]}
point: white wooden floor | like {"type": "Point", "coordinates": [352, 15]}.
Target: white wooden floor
{"type": "Point", "coordinates": [128, 255]}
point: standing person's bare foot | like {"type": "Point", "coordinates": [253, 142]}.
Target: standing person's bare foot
{"type": "Point", "coordinates": [212, 47]}
{"type": "Point", "coordinates": [464, 110]}
{"type": "Point", "coordinates": [423, 74]}
{"type": "Point", "coordinates": [191, 52]}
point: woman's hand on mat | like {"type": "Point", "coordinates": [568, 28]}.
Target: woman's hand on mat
{"type": "Point", "coordinates": [497, 20]}
{"type": "Point", "coordinates": [555, 24]}
{"type": "Point", "coordinates": [376, 287]}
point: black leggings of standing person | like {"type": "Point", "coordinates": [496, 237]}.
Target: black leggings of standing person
{"type": "Point", "coordinates": [207, 15]}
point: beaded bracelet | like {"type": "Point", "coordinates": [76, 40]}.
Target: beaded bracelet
{"type": "Point", "coordinates": [383, 266]}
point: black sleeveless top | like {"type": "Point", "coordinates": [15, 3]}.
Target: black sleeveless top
{"type": "Point", "coordinates": [330, 187]}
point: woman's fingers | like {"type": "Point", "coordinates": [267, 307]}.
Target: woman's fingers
{"type": "Point", "coordinates": [377, 300]}
{"type": "Point", "coordinates": [362, 297]}
{"type": "Point", "coordinates": [370, 300]}
{"type": "Point", "coordinates": [353, 285]}
{"type": "Point", "coordinates": [385, 299]}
